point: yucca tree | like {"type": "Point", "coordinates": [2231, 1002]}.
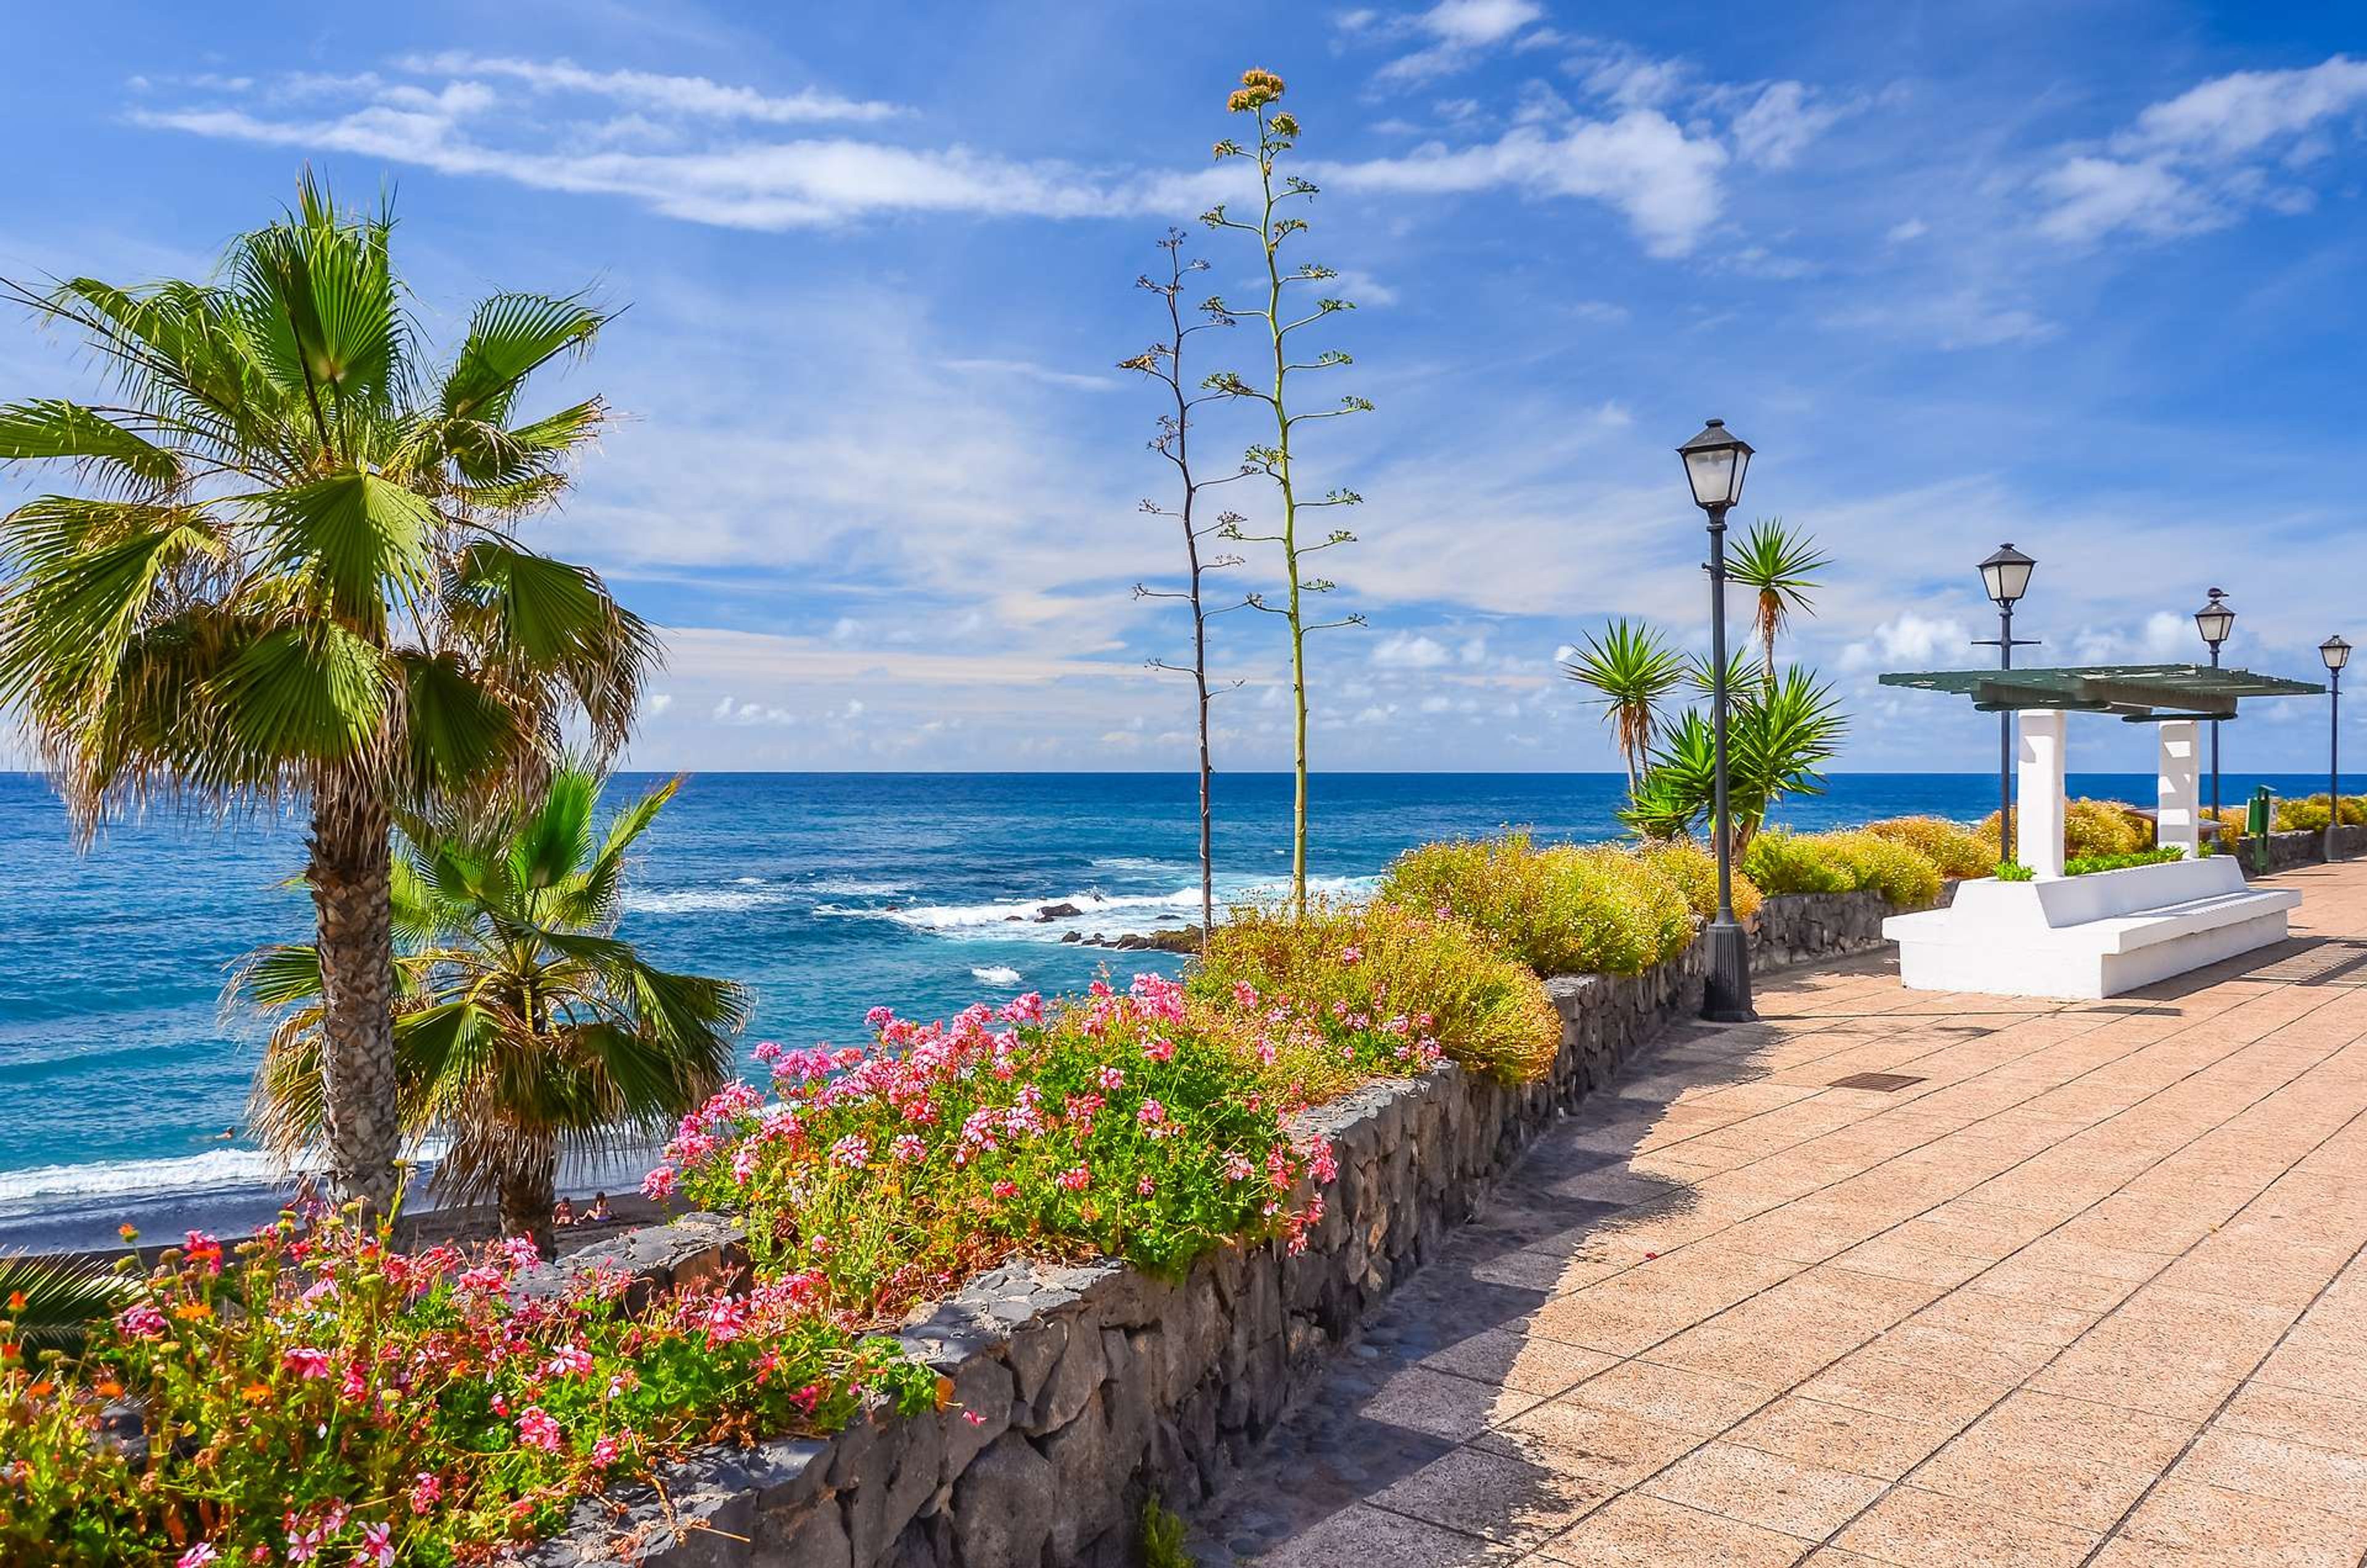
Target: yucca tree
{"type": "Point", "coordinates": [1779, 738]}
{"type": "Point", "coordinates": [1779, 566]}
{"type": "Point", "coordinates": [1629, 667]}
{"type": "Point", "coordinates": [288, 575]}
{"type": "Point", "coordinates": [524, 1029]}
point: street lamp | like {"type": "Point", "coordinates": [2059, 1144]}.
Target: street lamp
{"type": "Point", "coordinates": [1716, 461]}
{"type": "Point", "coordinates": [2005, 577]}
{"type": "Point", "coordinates": [2337, 653]}
{"type": "Point", "coordinates": [2214, 621]}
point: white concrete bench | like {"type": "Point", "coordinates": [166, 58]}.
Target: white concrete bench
{"type": "Point", "coordinates": [2090, 936]}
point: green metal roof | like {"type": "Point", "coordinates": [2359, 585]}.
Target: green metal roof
{"type": "Point", "coordinates": [2140, 693]}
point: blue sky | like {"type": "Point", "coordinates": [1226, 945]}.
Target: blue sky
{"type": "Point", "coordinates": [2084, 278]}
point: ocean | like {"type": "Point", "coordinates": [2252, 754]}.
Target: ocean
{"type": "Point", "coordinates": [826, 893]}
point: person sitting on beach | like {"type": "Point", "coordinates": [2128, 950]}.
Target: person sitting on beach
{"type": "Point", "coordinates": [564, 1216]}
{"type": "Point", "coordinates": [599, 1214]}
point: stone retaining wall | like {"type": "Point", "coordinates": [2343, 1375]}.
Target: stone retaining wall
{"type": "Point", "coordinates": [1800, 928]}
{"type": "Point", "coordinates": [1076, 1393]}
{"type": "Point", "coordinates": [2301, 847]}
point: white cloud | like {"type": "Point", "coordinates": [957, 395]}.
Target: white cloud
{"type": "Point", "coordinates": [1402, 650]}
{"type": "Point", "coordinates": [2206, 158]}
{"type": "Point", "coordinates": [1664, 180]}
{"type": "Point", "coordinates": [693, 95]}
{"type": "Point", "coordinates": [1461, 30]}
{"type": "Point", "coordinates": [1908, 638]}
{"type": "Point", "coordinates": [1027, 372]}
{"type": "Point", "coordinates": [1907, 229]}
{"type": "Point", "coordinates": [1780, 122]}
{"type": "Point", "coordinates": [659, 702]}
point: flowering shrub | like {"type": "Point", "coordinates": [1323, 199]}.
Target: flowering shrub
{"type": "Point", "coordinates": [1694, 871]}
{"type": "Point", "coordinates": [328, 1399]}
{"type": "Point", "coordinates": [2090, 828]}
{"type": "Point", "coordinates": [1562, 910]}
{"type": "Point", "coordinates": [2087, 865]}
{"type": "Point", "coordinates": [1844, 863]}
{"type": "Point", "coordinates": [1783, 863]}
{"type": "Point", "coordinates": [2308, 815]}
{"type": "Point", "coordinates": [1957, 851]}
{"type": "Point", "coordinates": [1142, 1124]}
{"type": "Point", "coordinates": [1370, 978]}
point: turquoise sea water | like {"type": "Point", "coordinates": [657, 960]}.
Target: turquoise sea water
{"type": "Point", "coordinates": [827, 893]}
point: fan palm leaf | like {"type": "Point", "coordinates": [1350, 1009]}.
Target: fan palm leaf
{"type": "Point", "coordinates": [48, 1304]}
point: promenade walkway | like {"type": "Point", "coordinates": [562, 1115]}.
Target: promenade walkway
{"type": "Point", "coordinates": [2064, 1283]}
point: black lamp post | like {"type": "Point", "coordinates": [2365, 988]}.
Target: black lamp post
{"type": "Point", "coordinates": [2214, 621]}
{"type": "Point", "coordinates": [2005, 577]}
{"type": "Point", "coordinates": [2337, 653]}
{"type": "Point", "coordinates": [1716, 461]}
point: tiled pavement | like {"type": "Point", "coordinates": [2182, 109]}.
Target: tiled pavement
{"type": "Point", "coordinates": [2088, 1291]}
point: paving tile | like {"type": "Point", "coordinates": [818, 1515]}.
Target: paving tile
{"type": "Point", "coordinates": [1589, 1442]}
{"type": "Point", "coordinates": [1640, 1531]}
{"type": "Point", "coordinates": [1765, 1489]}
{"type": "Point", "coordinates": [1518, 1362]}
{"type": "Point", "coordinates": [2321, 1420]}
{"type": "Point", "coordinates": [1360, 1533]}
{"type": "Point", "coordinates": [1495, 1495]}
{"type": "Point", "coordinates": [1672, 1396]}
{"type": "Point", "coordinates": [1863, 1442]}
{"type": "Point", "coordinates": [2219, 1525]}
{"type": "Point", "coordinates": [2285, 1471]}
{"type": "Point", "coordinates": [1925, 1530]}
{"type": "Point", "coordinates": [1421, 1400]}
{"type": "Point", "coordinates": [1903, 1389]}
{"type": "Point", "coordinates": [2065, 1460]}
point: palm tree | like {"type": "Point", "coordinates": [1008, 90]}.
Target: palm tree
{"type": "Point", "coordinates": [1631, 667]}
{"type": "Point", "coordinates": [289, 574]}
{"type": "Point", "coordinates": [524, 1029]}
{"type": "Point", "coordinates": [1782, 567]}
{"type": "Point", "coordinates": [48, 1304]}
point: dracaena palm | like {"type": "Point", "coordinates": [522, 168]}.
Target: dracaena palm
{"type": "Point", "coordinates": [1779, 738]}
{"type": "Point", "coordinates": [1779, 566]}
{"type": "Point", "coordinates": [287, 572]}
{"type": "Point", "coordinates": [524, 1027]}
{"type": "Point", "coordinates": [1630, 668]}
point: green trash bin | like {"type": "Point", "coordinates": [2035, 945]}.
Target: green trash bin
{"type": "Point", "coordinates": [2256, 827]}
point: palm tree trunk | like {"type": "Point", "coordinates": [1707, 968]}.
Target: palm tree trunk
{"type": "Point", "coordinates": [529, 1192]}
{"type": "Point", "coordinates": [351, 873]}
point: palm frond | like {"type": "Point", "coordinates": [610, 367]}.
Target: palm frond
{"type": "Point", "coordinates": [50, 1304]}
{"type": "Point", "coordinates": [52, 430]}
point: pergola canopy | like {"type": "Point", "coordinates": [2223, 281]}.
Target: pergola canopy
{"type": "Point", "coordinates": [2140, 693]}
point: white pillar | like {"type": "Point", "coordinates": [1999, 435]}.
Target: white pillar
{"type": "Point", "coordinates": [2038, 783]}
{"type": "Point", "coordinates": [2181, 792]}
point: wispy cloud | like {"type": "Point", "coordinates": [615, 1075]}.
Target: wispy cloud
{"type": "Point", "coordinates": [2204, 159]}
{"type": "Point", "coordinates": [1455, 35]}
{"type": "Point", "coordinates": [1025, 371]}
{"type": "Point", "coordinates": [696, 96]}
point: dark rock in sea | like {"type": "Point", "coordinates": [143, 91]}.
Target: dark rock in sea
{"type": "Point", "coordinates": [1010, 917]}
{"type": "Point", "coordinates": [1071, 936]}
{"type": "Point", "coordinates": [1185, 939]}
{"type": "Point", "coordinates": [1056, 912]}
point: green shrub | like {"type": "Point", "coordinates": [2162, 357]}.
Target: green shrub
{"type": "Point", "coordinates": [1561, 910]}
{"type": "Point", "coordinates": [1382, 962]}
{"type": "Point", "coordinates": [2014, 871]}
{"type": "Point", "coordinates": [1951, 846]}
{"type": "Point", "coordinates": [2082, 865]}
{"type": "Point", "coordinates": [1904, 876]}
{"type": "Point", "coordinates": [1783, 863]}
{"type": "Point", "coordinates": [1694, 871]}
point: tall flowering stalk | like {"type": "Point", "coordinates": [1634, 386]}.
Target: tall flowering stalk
{"type": "Point", "coordinates": [1277, 133]}
{"type": "Point", "coordinates": [1163, 363]}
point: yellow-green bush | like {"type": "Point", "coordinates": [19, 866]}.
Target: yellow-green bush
{"type": "Point", "coordinates": [1951, 846]}
{"type": "Point", "coordinates": [2309, 815]}
{"type": "Point", "coordinates": [1382, 960]}
{"type": "Point", "coordinates": [1903, 874]}
{"type": "Point", "coordinates": [2090, 828]}
{"type": "Point", "coordinates": [1562, 909]}
{"type": "Point", "coordinates": [1694, 871]}
{"type": "Point", "coordinates": [1783, 863]}
{"type": "Point", "coordinates": [1842, 863]}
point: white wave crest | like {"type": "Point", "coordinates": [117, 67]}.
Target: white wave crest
{"type": "Point", "coordinates": [215, 1168]}
{"type": "Point", "coordinates": [1016, 919]}
{"type": "Point", "coordinates": [995, 975]}
{"type": "Point", "coordinates": [700, 900]}
{"type": "Point", "coordinates": [845, 887]}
